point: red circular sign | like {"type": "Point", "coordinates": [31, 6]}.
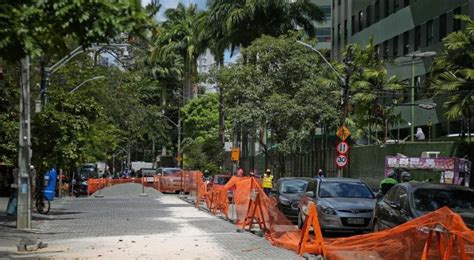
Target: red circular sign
{"type": "Point", "coordinates": [341, 160]}
{"type": "Point", "coordinates": [342, 147]}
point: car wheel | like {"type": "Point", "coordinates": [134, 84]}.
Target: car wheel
{"type": "Point", "coordinates": [377, 225]}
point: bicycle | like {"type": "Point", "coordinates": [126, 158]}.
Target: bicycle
{"type": "Point", "coordinates": [42, 204]}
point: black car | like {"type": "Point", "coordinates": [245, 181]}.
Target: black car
{"type": "Point", "coordinates": [409, 200]}
{"type": "Point", "coordinates": [288, 192]}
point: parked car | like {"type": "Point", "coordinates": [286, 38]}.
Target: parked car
{"type": "Point", "coordinates": [409, 200]}
{"type": "Point", "coordinates": [288, 192]}
{"type": "Point", "coordinates": [171, 179]}
{"type": "Point", "coordinates": [344, 205]}
{"type": "Point", "coordinates": [148, 173]}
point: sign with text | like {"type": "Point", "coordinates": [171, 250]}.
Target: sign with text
{"type": "Point", "coordinates": [341, 160]}
{"type": "Point", "coordinates": [342, 147]}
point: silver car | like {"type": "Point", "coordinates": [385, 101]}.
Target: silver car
{"type": "Point", "coordinates": [344, 205]}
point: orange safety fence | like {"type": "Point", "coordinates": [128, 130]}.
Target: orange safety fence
{"type": "Point", "coordinates": [94, 185]}
{"type": "Point", "coordinates": [438, 235]}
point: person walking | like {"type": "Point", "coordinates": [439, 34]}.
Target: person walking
{"type": "Point", "coordinates": [267, 183]}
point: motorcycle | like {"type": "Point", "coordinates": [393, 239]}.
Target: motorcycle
{"type": "Point", "coordinates": [80, 189]}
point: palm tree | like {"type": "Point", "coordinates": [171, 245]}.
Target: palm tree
{"type": "Point", "coordinates": [370, 86]}
{"type": "Point", "coordinates": [182, 33]}
{"type": "Point", "coordinates": [454, 73]}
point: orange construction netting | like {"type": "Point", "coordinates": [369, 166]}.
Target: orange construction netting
{"type": "Point", "coordinates": [94, 185]}
{"type": "Point", "coordinates": [408, 241]}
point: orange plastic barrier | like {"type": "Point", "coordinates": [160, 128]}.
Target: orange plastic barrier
{"type": "Point", "coordinates": [94, 185]}
{"type": "Point", "coordinates": [412, 240]}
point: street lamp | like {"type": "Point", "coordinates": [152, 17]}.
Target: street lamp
{"type": "Point", "coordinates": [84, 82]}
{"type": "Point", "coordinates": [416, 55]}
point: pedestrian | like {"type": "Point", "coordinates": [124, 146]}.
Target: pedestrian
{"type": "Point", "coordinates": [405, 176]}
{"type": "Point", "coordinates": [240, 172]}
{"type": "Point", "coordinates": [267, 183]}
{"type": "Point", "coordinates": [388, 183]}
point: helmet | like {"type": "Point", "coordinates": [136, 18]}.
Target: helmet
{"type": "Point", "coordinates": [392, 174]}
{"type": "Point", "coordinates": [268, 171]}
{"type": "Point", "coordinates": [405, 176]}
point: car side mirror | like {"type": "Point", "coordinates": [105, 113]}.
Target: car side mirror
{"type": "Point", "coordinates": [378, 195]}
{"type": "Point", "coordinates": [309, 193]}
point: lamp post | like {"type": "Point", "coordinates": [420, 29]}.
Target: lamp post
{"type": "Point", "coordinates": [416, 55]}
{"type": "Point", "coordinates": [343, 81]}
{"type": "Point", "coordinates": [84, 82]}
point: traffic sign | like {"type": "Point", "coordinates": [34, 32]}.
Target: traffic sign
{"type": "Point", "coordinates": [342, 147]}
{"type": "Point", "coordinates": [235, 154]}
{"type": "Point", "coordinates": [341, 160]}
{"type": "Point", "coordinates": [343, 132]}
{"type": "Point", "coordinates": [179, 158]}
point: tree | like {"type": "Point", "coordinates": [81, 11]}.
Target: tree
{"type": "Point", "coordinates": [371, 88]}
{"type": "Point", "coordinates": [182, 34]}
{"type": "Point", "coordinates": [200, 121]}
{"type": "Point", "coordinates": [280, 88]}
{"type": "Point", "coordinates": [453, 72]}
{"type": "Point", "coordinates": [238, 22]}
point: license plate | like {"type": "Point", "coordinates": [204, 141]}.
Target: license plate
{"type": "Point", "coordinates": [149, 179]}
{"type": "Point", "coordinates": [355, 221]}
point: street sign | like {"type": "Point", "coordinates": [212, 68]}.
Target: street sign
{"type": "Point", "coordinates": [341, 160]}
{"type": "Point", "coordinates": [179, 158]}
{"type": "Point", "coordinates": [235, 154]}
{"type": "Point", "coordinates": [342, 147]}
{"type": "Point", "coordinates": [343, 132]}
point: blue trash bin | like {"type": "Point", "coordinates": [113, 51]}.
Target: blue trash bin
{"type": "Point", "coordinates": [50, 184]}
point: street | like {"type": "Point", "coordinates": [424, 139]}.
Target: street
{"type": "Point", "coordinates": [124, 225]}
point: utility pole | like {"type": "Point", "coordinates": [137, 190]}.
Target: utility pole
{"type": "Point", "coordinates": [24, 153]}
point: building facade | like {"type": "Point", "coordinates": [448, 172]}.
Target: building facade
{"type": "Point", "coordinates": [323, 29]}
{"type": "Point", "coordinates": [402, 30]}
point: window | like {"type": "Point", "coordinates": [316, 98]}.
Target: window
{"type": "Point", "coordinates": [406, 3]}
{"type": "Point", "coordinates": [338, 2]}
{"type": "Point", "coordinates": [335, 189]}
{"type": "Point", "coordinates": [442, 26]}
{"type": "Point", "coordinates": [417, 38]}
{"type": "Point", "coordinates": [386, 8]}
{"type": "Point", "coordinates": [326, 10]}
{"type": "Point", "coordinates": [391, 195]}
{"type": "Point", "coordinates": [395, 46]}
{"type": "Point", "coordinates": [353, 27]}
{"type": "Point", "coordinates": [361, 19]}
{"type": "Point", "coordinates": [368, 12]}
{"type": "Point", "coordinates": [323, 34]}
{"type": "Point", "coordinates": [339, 32]}
{"type": "Point", "coordinates": [429, 33]}
{"type": "Point", "coordinates": [345, 32]}
{"type": "Point", "coordinates": [333, 4]}
{"type": "Point", "coordinates": [456, 22]}
{"type": "Point", "coordinates": [385, 49]}
{"type": "Point", "coordinates": [395, 6]}
{"type": "Point", "coordinates": [377, 11]}
{"type": "Point", "coordinates": [406, 42]}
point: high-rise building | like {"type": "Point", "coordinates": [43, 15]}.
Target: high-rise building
{"type": "Point", "coordinates": [323, 29]}
{"type": "Point", "coordinates": [407, 32]}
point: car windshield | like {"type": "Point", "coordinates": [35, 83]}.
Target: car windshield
{"type": "Point", "coordinates": [433, 199]}
{"type": "Point", "coordinates": [344, 190]}
{"type": "Point", "coordinates": [221, 180]}
{"type": "Point", "coordinates": [171, 172]}
{"type": "Point", "coordinates": [293, 186]}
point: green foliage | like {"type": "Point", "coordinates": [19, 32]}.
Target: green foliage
{"type": "Point", "coordinates": [9, 96]}
{"type": "Point", "coordinates": [200, 122]}
{"type": "Point", "coordinates": [281, 86]}
{"type": "Point", "coordinates": [38, 27]}
{"type": "Point", "coordinates": [453, 71]}
{"type": "Point", "coordinates": [370, 89]}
